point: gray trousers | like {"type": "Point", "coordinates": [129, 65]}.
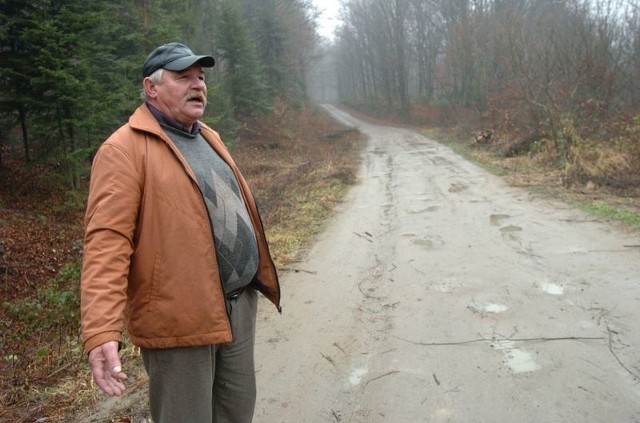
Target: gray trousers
{"type": "Point", "coordinates": [211, 383]}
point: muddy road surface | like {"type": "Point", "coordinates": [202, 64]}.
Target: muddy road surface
{"type": "Point", "coordinates": [440, 294]}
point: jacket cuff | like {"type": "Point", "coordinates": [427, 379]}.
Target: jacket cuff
{"type": "Point", "coordinates": [99, 339]}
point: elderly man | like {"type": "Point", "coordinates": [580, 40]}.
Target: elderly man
{"type": "Point", "coordinates": [175, 246]}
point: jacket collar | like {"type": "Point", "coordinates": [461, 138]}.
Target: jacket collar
{"type": "Point", "coordinates": [143, 120]}
{"type": "Point", "coordinates": [166, 120]}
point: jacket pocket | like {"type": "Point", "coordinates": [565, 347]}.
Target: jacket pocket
{"type": "Point", "coordinates": [156, 277]}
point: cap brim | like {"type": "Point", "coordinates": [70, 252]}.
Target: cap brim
{"type": "Point", "coordinates": [186, 62]}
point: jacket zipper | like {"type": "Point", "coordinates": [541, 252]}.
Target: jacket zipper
{"type": "Point", "coordinates": [187, 169]}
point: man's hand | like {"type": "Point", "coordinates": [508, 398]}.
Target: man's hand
{"type": "Point", "coordinates": [107, 369]}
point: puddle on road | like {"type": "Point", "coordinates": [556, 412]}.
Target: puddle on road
{"type": "Point", "coordinates": [423, 210]}
{"type": "Point", "coordinates": [424, 242]}
{"type": "Point", "coordinates": [495, 308]}
{"type": "Point", "coordinates": [518, 360]}
{"type": "Point", "coordinates": [356, 375]}
{"type": "Point", "coordinates": [458, 187]}
{"type": "Point", "coordinates": [510, 229]}
{"type": "Point", "coordinates": [552, 288]}
{"type": "Point", "coordinates": [496, 219]}
{"type": "Point", "coordinates": [483, 308]}
{"type": "Point", "coordinates": [427, 242]}
{"type": "Point", "coordinates": [577, 250]}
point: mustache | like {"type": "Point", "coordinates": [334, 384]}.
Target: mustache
{"type": "Point", "coordinates": [194, 95]}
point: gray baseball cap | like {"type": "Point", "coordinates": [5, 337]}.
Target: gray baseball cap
{"type": "Point", "coordinates": [175, 57]}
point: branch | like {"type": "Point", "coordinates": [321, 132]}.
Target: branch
{"type": "Point", "coordinates": [392, 372]}
{"type": "Point", "coordinates": [479, 340]}
{"type": "Point", "coordinates": [635, 376]}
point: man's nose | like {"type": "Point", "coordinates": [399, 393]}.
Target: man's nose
{"type": "Point", "coordinates": [198, 84]}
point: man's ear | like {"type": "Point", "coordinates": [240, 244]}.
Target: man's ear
{"type": "Point", "coordinates": [150, 88]}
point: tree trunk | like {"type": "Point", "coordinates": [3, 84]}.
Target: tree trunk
{"type": "Point", "coordinates": [25, 133]}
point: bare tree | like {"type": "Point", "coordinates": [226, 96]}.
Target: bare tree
{"type": "Point", "coordinates": [553, 59]}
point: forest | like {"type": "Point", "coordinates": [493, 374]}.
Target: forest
{"type": "Point", "coordinates": [555, 82]}
{"type": "Point", "coordinates": [558, 76]}
{"type": "Point", "coordinates": [561, 77]}
{"type": "Point", "coordinates": [71, 69]}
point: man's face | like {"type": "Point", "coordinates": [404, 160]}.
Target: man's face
{"type": "Point", "coordinates": [180, 95]}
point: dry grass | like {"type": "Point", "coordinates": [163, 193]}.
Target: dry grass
{"type": "Point", "coordinates": [601, 178]}
{"type": "Point", "coordinates": [298, 176]}
{"type": "Point", "coordinates": [597, 165]}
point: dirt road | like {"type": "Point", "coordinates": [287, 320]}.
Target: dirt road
{"type": "Point", "coordinates": [440, 294]}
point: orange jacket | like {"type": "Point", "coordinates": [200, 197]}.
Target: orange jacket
{"type": "Point", "coordinates": [149, 253]}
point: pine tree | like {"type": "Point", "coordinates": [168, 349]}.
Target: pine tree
{"type": "Point", "coordinates": [243, 75]}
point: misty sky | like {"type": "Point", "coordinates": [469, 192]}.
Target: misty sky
{"type": "Point", "coordinates": [328, 19]}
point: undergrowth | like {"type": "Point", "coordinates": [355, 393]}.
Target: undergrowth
{"type": "Point", "coordinates": [601, 178]}
{"type": "Point", "coordinates": [612, 212]}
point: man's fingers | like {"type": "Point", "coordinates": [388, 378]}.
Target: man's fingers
{"type": "Point", "coordinates": [112, 385]}
{"type": "Point", "coordinates": [107, 369]}
{"type": "Point", "coordinates": [117, 373]}
{"type": "Point", "coordinates": [110, 351]}
{"type": "Point", "coordinates": [112, 388]}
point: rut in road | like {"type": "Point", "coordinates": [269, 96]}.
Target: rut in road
{"type": "Point", "coordinates": [440, 294]}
